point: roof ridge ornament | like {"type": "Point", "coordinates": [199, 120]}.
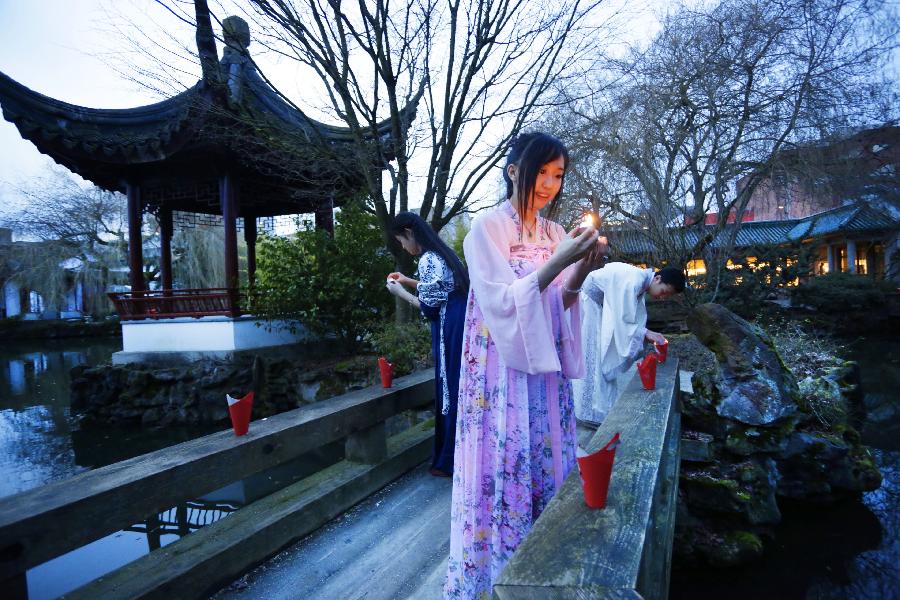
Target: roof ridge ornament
{"type": "Point", "coordinates": [236, 33]}
{"type": "Point", "coordinates": [237, 36]}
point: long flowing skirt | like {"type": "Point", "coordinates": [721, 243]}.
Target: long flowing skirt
{"type": "Point", "coordinates": [515, 443]}
{"type": "Point", "coordinates": [445, 424]}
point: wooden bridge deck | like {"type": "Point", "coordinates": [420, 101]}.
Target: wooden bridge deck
{"type": "Point", "coordinates": [393, 545]}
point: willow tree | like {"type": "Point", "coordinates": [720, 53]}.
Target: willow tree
{"type": "Point", "coordinates": [72, 226]}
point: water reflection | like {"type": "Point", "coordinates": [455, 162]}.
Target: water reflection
{"type": "Point", "coordinates": [181, 520]}
{"type": "Point", "coordinates": [41, 441]}
{"type": "Point", "coordinates": [35, 421]}
{"type": "Point", "coordinates": [16, 377]}
{"type": "Point", "coordinates": [74, 569]}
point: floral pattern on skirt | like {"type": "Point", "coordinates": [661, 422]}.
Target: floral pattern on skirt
{"type": "Point", "coordinates": [507, 466]}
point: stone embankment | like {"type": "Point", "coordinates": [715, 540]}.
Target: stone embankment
{"type": "Point", "coordinates": [194, 392]}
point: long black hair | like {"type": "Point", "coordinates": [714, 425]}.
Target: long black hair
{"type": "Point", "coordinates": [529, 152]}
{"type": "Point", "coordinates": [428, 239]}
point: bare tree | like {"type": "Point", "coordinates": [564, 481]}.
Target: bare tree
{"type": "Point", "coordinates": [58, 208]}
{"type": "Point", "coordinates": [478, 66]}
{"type": "Point", "coordinates": [718, 96]}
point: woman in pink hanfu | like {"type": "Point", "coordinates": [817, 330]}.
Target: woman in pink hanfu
{"type": "Point", "coordinates": [515, 435]}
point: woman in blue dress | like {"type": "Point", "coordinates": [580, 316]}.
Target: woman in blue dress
{"type": "Point", "coordinates": [441, 291]}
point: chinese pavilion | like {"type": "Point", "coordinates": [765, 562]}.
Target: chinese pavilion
{"type": "Point", "coordinates": [231, 145]}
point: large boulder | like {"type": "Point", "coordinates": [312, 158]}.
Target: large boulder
{"type": "Point", "coordinates": [754, 387]}
{"type": "Point", "coordinates": [755, 437]}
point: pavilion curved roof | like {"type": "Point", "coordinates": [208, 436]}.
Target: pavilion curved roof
{"type": "Point", "coordinates": [73, 134]}
{"type": "Point", "coordinates": [285, 161]}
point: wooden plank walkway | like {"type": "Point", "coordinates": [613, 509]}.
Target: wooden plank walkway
{"type": "Point", "coordinates": [392, 546]}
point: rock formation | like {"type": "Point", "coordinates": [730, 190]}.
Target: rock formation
{"type": "Point", "coordinates": [754, 436]}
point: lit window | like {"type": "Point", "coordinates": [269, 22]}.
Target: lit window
{"type": "Point", "coordinates": [696, 267]}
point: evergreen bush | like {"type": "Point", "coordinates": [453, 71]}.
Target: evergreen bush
{"type": "Point", "coordinates": [842, 292]}
{"type": "Point", "coordinates": [334, 286]}
{"type": "Point", "coordinates": [407, 345]}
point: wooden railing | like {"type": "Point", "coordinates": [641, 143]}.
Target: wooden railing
{"type": "Point", "coordinates": [164, 304]}
{"type": "Point", "coordinates": [40, 524]}
{"type": "Point", "coordinates": [625, 549]}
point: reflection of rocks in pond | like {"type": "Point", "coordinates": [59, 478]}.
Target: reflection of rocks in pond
{"type": "Point", "coordinates": [99, 446]}
{"type": "Point", "coordinates": [815, 544]}
{"type": "Point", "coordinates": [882, 425]}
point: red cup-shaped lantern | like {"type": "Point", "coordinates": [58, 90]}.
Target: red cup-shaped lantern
{"type": "Point", "coordinates": [662, 350]}
{"type": "Point", "coordinates": [387, 372]}
{"type": "Point", "coordinates": [596, 471]}
{"type": "Point", "coordinates": [647, 370]}
{"type": "Point", "coordinates": [239, 409]}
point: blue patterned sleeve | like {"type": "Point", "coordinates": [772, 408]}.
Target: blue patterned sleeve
{"type": "Point", "coordinates": [435, 280]}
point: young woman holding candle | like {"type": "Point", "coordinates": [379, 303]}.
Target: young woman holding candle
{"type": "Point", "coordinates": [515, 440]}
{"type": "Point", "coordinates": [441, 296]}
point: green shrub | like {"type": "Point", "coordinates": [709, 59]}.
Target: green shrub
{"type": "Point", "coordinates": [841, 292]}
{"type": "Point", "coordinates": [408, 346]}
{"type": "Point", "coordinates": [333, 286]}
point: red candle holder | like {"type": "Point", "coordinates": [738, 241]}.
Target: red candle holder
{"type": "Point", "coordinates": [596, 471]}
{"type": "Point", "coordinates": [647, 370]}
{"type": "Point", "coordinates": [387, 372]}
{"type": "Point", "coordinates": [240, 409]}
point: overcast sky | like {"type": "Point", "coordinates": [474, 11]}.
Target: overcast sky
{"type": "Point", "coordinates": [47, 45]}
{"type": "Point", "coordinates": [59, 48]}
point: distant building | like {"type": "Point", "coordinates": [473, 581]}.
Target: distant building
{"type": "Point", "coordinates": [860, 166]}
{"type": "Point", "coordinates": [839, 198]}
{"type": "Point", "coordinates": [856, 238]}
{"type": "Point", "coordinates": [20, 300]}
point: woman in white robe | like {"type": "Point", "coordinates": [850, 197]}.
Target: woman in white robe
{"type": "Point", "coordinates": [614, 328]}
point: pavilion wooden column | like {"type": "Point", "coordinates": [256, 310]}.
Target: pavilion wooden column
{"type": "Point", "coordinates": [135, 240]}
{"type": "Point", "coordinates": [250, 238]}
{"type": "Point", "coordinates": [851, 256]}
{"type": "Point", "coordinates": [325, 215]}
{"type": "Point", "coordinates": [165, 247]}
{"type": "Point", "coordinates": [228, 202]}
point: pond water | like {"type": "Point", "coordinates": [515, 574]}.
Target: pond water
{"type": "Point", "coordinates": [41, 442]}
{"type": "Point", "coordinates": [849, 550]}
